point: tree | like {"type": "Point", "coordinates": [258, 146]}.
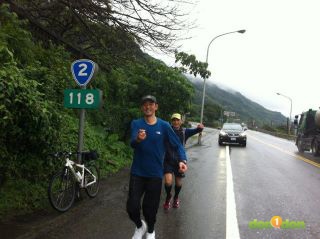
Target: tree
{"type": "Point", "coordinates": [149, 23]}
{"type": "Point", "coordinates": [194, 66]}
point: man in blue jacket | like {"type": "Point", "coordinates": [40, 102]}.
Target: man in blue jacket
{"type": "Point", "coordinates": [148, 139]}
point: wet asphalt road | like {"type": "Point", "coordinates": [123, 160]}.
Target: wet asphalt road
{"type": "Point", "coordinates": [269, 178]}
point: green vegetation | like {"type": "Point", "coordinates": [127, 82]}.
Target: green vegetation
{"type": "Point", "coordinates": [33, 122]}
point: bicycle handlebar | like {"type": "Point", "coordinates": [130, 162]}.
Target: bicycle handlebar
{"type": "Point", "coordinates": [63, 154]}
{"type": "Point", "coordinates": [86, 155]}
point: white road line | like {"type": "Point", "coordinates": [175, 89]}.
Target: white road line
{"type": "Point", "coordinates": [232, 228]}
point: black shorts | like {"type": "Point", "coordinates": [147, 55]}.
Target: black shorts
{"type": "Point", "coordinates": [173, 168]}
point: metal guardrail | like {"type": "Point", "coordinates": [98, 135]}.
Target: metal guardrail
{"type": "Point", "coordinates": [280, 135]}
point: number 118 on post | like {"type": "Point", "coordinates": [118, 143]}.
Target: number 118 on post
{"type": "Point", "coordinates": [82, 98]}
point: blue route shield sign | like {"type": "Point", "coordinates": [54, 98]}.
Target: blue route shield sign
{"type": "Point", "coordinates": [82, 71]}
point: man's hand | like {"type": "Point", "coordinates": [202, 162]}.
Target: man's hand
{"type": "Point", "coordinates": [182, 167]}
{"type": "Point", "coordinates": [200, 126]}
{"type": "Point", "coordinates": [141, 135]}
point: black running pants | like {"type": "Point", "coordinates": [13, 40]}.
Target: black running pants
{"type": "Point", "coordinates": [150, 190]}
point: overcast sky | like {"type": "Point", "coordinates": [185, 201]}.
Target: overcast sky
{"type": "Point", "coordinates": [279, 52]}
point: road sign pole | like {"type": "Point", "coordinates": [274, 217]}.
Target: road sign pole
{"type": "Point", "coordinates": [82, 72]}
{"type": "Point", "coordinates": [81, 131]}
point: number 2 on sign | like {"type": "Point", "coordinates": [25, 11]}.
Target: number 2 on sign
{"type": "Point", "coordinates": [83, 69]}
{"type": "Point", "coordinates": [89, 98]}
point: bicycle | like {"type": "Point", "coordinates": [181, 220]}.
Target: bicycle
{"type": "Point", "coordinates": [62, 186]}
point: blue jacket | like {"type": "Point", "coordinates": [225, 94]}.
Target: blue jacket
{"type": "Point", "coordinates": [149, 154]}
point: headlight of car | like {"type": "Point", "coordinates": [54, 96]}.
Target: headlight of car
{"type": "Point", "coordinates": [243, 134]}
{"type": "Point", "coordinates": [222, 133]}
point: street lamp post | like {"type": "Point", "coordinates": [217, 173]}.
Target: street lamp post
{"type": "Point", "coordinates": [204, 80]}
{"type": "Point", "coordinates": [289, 125]}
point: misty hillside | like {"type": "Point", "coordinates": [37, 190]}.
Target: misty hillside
{"type": "Point", "coordinates": [246, 110]}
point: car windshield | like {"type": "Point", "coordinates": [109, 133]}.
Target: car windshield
{"type": "Point", "coordinates": [232, 126]}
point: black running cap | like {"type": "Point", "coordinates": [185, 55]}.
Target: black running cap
{"type": "Point", "coordinates": [148, 98]}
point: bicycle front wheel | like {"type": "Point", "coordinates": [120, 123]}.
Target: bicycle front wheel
{"type": "Point", "coordinates": [61, 191]}
{"type": "Point", "coordinates": [92, 188]}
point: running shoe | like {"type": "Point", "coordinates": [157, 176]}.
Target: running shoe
{"type": "Point", "coordinates": [151, 235]}
{"type": "Point", "coordinates": [139, 232]}
{"type": "Point", "coordinates": [167, 204]}
{"type": "Point", "coordinates": [176, 203]}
